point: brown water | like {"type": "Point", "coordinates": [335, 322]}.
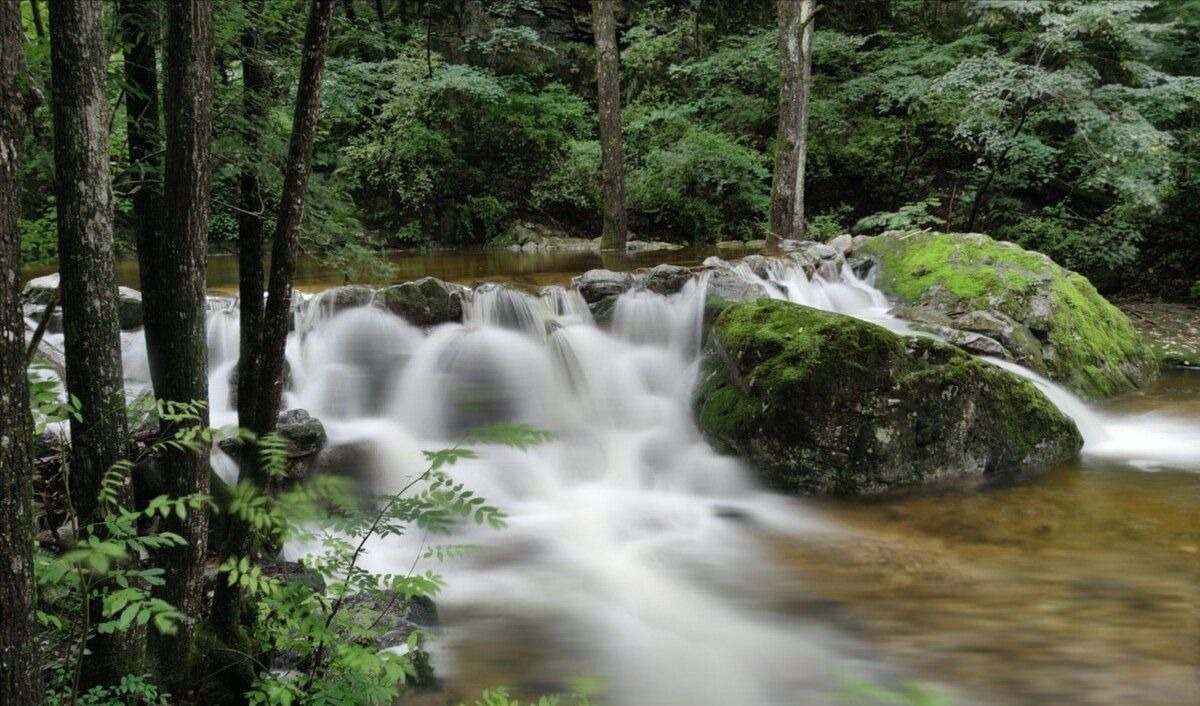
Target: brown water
{"type": "Point", "coordinates": [461, 266]}
{"type": "Point", "coordinates": [1079, 586]}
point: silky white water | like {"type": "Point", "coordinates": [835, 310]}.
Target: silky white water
{"type": "Point", "coordinates": [631, 546]}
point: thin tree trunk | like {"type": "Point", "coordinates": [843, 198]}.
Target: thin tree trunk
{"type": "Point", "coordinates": [291, 214]}
{"type": "Point", "coordinates": [35, 9]}
{"type": "Point", "coordinates": [175, 310]}
{"type": "Point", "coordinates": [256, 82]}
{"type": "Point", "coordinates": [791, 148]}
{"type": "Point", "coordinates": [612, 150]}
{"type": "Point", "coordinates": [88, 289]}
{"type": "Point", "coordinates": [379, 12]}
{"type": "Point", "coordinates": [139, 22]}
{"type": "Point", "coordinates": [981, 193]}
{"type": "Point", "coordinates": [20, 677]}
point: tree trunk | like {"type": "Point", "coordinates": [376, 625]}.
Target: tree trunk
{"type": "Point", "coordinates": [174, 304]}
{"type": "Point", "coordinates": [256, 83]}
{"type": "Point", "coordinates": [20, 677]}
{"type": "Point", "coordinates": [88, 289]}
{"type": "Point", "coordinates": [791, 144]}
{"type": "Point", "coordinates": [612, 166]}
{"type": "Point", "coordinates": [139, 22]}
{"type": "Point", "coordinates": [35, 9]}
{"type": "Point", "coordinates": [291, 214]}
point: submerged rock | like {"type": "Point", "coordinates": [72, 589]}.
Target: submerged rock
{"type": "Point", "coordinates": [595, 285]}
{"type": "Point", "coordinates": [1047, 318]}
{"type": "Point", "coordinates": [426, 302]}
{"type": "Point", "coordinates": [666, 279]}
{"type": "Point", "coordinates": [821, 402]}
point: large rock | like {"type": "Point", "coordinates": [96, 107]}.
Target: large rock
{"type": "Point", "coordinates": [43, 290]}
{"type": "Point", "coordinates": [821, 402]}
{"type": "Point", "coordinates": [726, 287]}
{"type": "Point", "coordinates": [595, 285]}
{"type": "Point", "coordinates": [666, 279]}
{"type": "Point", "coordinates": [426, 302]}
{"type": "Point", "coordinates": [1047, 318]}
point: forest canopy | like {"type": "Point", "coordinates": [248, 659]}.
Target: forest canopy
{"type": "Point", "coordinates": [1067, 126]}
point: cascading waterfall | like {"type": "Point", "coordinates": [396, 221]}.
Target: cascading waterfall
{"type": "Point", "coordinates": [633, 546]}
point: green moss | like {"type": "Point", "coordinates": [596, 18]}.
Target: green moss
{"type": "Point", "coordinates": [1066, 331]}
{"type": "Point", "coordinates": [823, 402]}
{"type": "Point", "coordinates": [969, 267]}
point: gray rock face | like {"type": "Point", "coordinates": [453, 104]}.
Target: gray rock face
{"type": "Point", "coordinates": [426, 302]}
{"type": "Point", "coordinates": [595, 285]}
{"type": "Point", "coordinates": [726, 285]}
{"type": "Point", "coordinates": [843, 243]}
{"type": "Point", "coordinates": [305, 433]}
{"type": "Point", "coordinates": [129, 308]}
{"type": "Point", "coordinates": [342, 298]}
{"type": "Point", "coordinates": [825, 403]}
{"type": "Point", "coordinates": [666, 279]}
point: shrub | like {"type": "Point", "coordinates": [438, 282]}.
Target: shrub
{"type": "Point", "coordinates": [704, 187]}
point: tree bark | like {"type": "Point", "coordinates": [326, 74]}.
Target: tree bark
{"type": "Point", "coordinates": [256, 83]}
{"type": "Point", "coordinates": [139, 23]}
{"type": "Point", "coordinates": [291, 214]}
{"type": "Point", "coordinates": [35, 9]}
{"type": "Point", "coordinates": [88, 289]}
{"type": "Point", "coordinates": [20, 677]}
{"type": "Point", "coordinates": [791, 148]}
{"type": "Point", "coordinates": [261, 356]}
{"type": "Point", "coordinates": [612, 150]}
{"type": "Point", "coordinates": [174, 311]}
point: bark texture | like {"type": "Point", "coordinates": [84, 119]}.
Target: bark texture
{"type": "Point", "coordinates": [612, 160]}
{"type": "Point", "coordinates": [140, 21]}
{"type": "Point", "coordinates": [291, 214]}
{"type": "Point", "coordinates": [88, 289]}
{"type": "Point", "coordinates": [174, 304]}
{"type": "Point", "coordinates": [20, 663]}
{"type": "Point", "coordinates": [256, 83]}
{"type": "Point", "coordinates": [86, 263]}
{"type": "Point", "coordinates": [795, 83]}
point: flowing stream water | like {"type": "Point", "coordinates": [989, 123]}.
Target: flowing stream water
{"type": "Point", "coordinates": [637, 555]}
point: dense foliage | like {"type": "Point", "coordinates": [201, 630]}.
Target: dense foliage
{"type": "Point", "coordinates": [1065, 125]}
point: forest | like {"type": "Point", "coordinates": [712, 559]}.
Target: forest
{"type": "Point", "coordinates": [630, 352]}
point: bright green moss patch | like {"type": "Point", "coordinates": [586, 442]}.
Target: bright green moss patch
{"type": "Point", "coordinates": [1063, 328]}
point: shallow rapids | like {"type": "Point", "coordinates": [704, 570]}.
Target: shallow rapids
{"type": "Point", "coordinates": [634, 553]}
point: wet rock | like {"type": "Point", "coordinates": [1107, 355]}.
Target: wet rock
{"type": "Point", "coordinates": [41, 290]}
{"type": "Point", "coordinates": [759, 265]}
{"type": "Point", "coordinates": [650, 246]}
{"type": "Point", "coordinates": [976, 343]}
{"type": "Point", "coordinates": [1048, 318]}
{"type": "Point", "coordinates": [602, 310]}
{"type": "Point", "coordinates": [129, 308]}
{"type": "Point", "coordinates": [595, 285]}
{"type": "Point", "coordinates": [821, 402]}
{"type": "Point", "coordinates": [725, 287]}
{"type": "Point", "coordinates": [666, 279]}
{"type": "Point", "coordinates": [345, 297]}
{"type": "Point", "coordinates": [426, 302]}
{"type": "Point", "coordinates": [305, 434]}
{"type": "Point", "coordinates": [843, 243]}
{"type": "Point", "coordinates": [305, 437]}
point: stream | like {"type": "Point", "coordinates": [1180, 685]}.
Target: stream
{"type": "Point", "coordinates": [638, 557]}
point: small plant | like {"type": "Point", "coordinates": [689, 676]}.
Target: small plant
{"type": "Point", "coordinates": [328, 625]}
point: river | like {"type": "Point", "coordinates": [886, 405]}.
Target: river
{"type": "Point", "coordinates": [637, 556]}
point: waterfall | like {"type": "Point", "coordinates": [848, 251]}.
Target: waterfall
{"type": "Point", "coordinates": [631, 544]}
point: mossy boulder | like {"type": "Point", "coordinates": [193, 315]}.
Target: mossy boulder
{"type": "Point", "coordinates": [1046, 317]}
{"type": "Point", "coordinates": [426, 302]}
{"type": "Point", "coordinates": [821, 402]}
